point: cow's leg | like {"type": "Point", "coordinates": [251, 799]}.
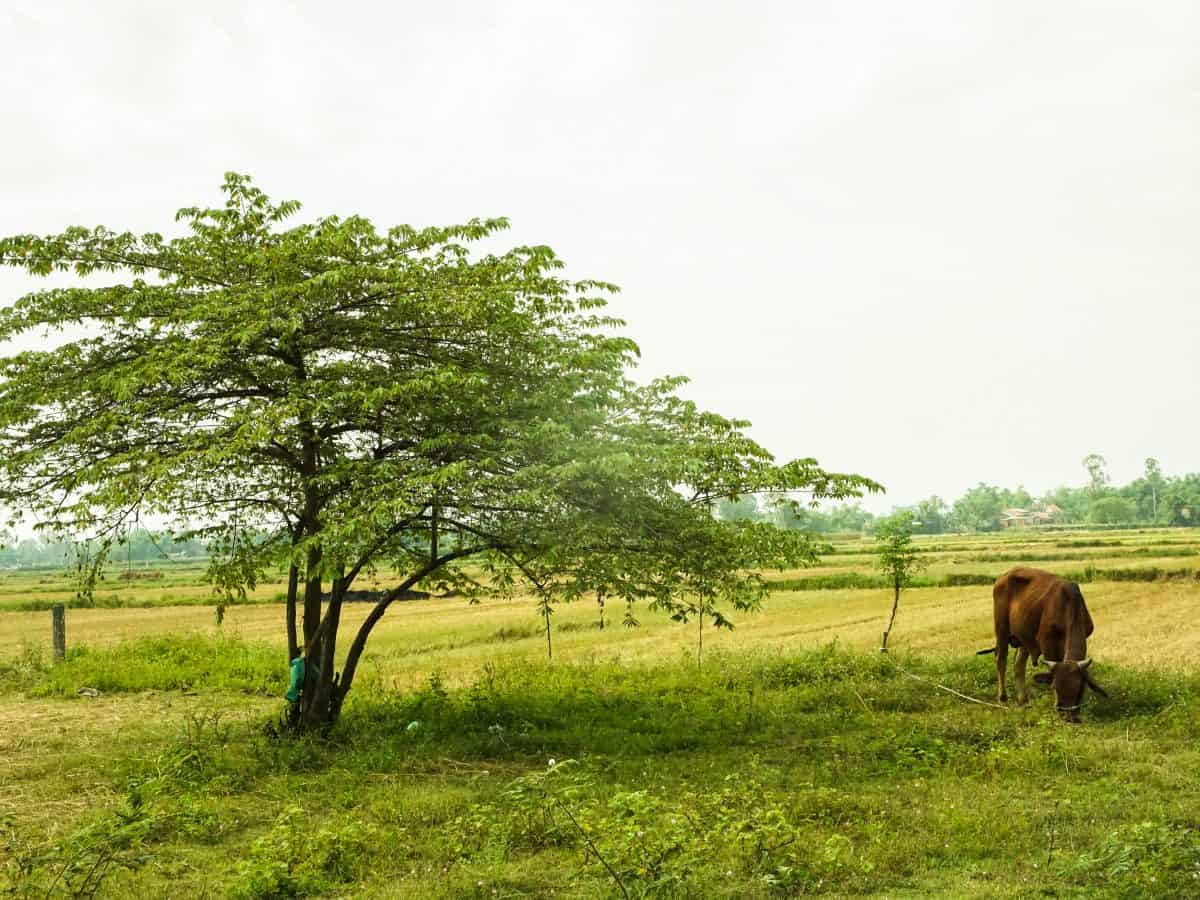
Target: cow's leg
{"type": "Point", "coordinates": [1001, 666]}
{"type": "Point", "coordinates": [1000, 620]}
{"type": "Point", "coordinates": [1019, 675]}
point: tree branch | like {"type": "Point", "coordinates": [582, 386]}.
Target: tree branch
{"type": "Point", "coordinates": [364, 630]}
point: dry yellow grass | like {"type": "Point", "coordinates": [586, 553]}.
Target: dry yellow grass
{"type": "Point", "coordinates": [36, 735]}
{"type": "Point", "coordinates": [1140, 624]}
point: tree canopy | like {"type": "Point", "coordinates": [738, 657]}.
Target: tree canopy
{"type": "Point", "coordinates": [334, 399]}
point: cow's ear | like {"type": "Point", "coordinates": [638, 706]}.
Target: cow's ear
{"type": "Point", "coordinates": [1043, 677]}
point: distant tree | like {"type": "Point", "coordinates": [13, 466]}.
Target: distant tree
{"type": "Point", "coordinates": [978, 509]}
{"type": "Point", "coordinates": [1111, 510]}
{"type": "Point", "coordinates": [792, 515]}
{"type": "Point", "coordinates": [1153, 478]}
{"type": "Point", "coordinates": [335, 399]}
{"type": "Point", "coordinates": [933, 515]}
{"type": "Point", "coordinates": [40, 552]}
{"type": "Point", "coordinates": [1018, 499]}
{"type": "Point", "coordinates": [847, 517]}
{"type": "Point", "coordinates": [741, 509]}
{"type": "Point", "coordinates": [1072, 501]}
{"type": "Point", "coordinates": [898, 559]}
{"type": "Point", "coordinates": [1180, 501]}
{"type": "Point", "coordinates": [1097, 469]}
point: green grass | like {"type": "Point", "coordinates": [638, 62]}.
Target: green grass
{"type": "Point", "coordinates": [774, 771]}
{"type": "Point", "coordinates": [160, 662]}
{"type": "Point", "coordinates": [763, 775]}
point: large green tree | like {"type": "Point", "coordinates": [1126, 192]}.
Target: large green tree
{"type": "Point", "coordinates": [336, 399]}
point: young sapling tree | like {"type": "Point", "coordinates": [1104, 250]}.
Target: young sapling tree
{"type": "Point", "coordinates": [898, 559]}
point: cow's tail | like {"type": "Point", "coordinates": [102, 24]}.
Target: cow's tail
{"type": "Point", "coordinates": [1012, 642]}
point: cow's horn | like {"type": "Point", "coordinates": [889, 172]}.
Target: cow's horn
{"type": "Point", "coordinates": [1084, 664]}
{"type": "Point", "coordinates": [1050, 663]}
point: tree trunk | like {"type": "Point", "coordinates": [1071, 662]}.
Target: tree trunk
{"type": "Point", "coordinates": [292, 593]}
{"type": "Point", "coordinates": [312, 599]}
{"type": "Point", "coordinates": [321, 704]}
{"type": "Point", "coordinates": [340, 688]}
{"type": "Point", "coordinates": [892, 620]}
{"type": "Point", "coordinates": [311, 711]}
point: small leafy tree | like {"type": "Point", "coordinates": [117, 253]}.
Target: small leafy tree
{"type": "Point", "coordinates": [701, 571]}
{"type": "Point", "coordinates": [335, 399]}
{"type": "Point", "coordinates": [899, 560]}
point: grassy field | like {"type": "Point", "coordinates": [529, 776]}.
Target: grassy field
{"type": "Point", "coordinates": [798, 760]}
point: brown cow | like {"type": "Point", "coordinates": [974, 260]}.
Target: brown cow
{"type": "Point", "coordinates": [1042, 615]}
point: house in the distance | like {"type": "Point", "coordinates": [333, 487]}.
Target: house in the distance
{"type": "Point", "coordinates": [1028, 518]}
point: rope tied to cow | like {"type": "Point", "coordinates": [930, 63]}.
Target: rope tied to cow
{"type": "Point", "coordinates": [948, 690]}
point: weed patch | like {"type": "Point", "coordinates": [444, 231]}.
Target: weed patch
{"type": "Point", "coordinates": [1145, 859]}
{"type": "Point", "coordinates": [297, 858]}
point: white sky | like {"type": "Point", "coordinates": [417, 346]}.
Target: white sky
{"type": "Point", "coordinates": [931, 242]}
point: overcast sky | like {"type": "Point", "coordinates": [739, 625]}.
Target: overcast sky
{"type": "Point", "coordinates": [935, 243]}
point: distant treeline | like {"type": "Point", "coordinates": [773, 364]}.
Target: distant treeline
{"type": "Point", "coordinates": [1150, 500]}
{"type": "Point", "coordinates": [138, 546]}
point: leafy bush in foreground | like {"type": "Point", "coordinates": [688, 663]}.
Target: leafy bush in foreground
{"type": "Point", "coordinates": [296, 859]}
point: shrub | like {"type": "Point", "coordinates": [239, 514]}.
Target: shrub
{"type": "Point", "coordinates": [1144, 859]}
{"type": "Point", "coordinates": [297, 859]}
{"type": "Point", "coordinates": [655, 841]}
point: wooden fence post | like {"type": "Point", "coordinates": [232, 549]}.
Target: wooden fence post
{"type": "Point", "coordinates": [59, 626]}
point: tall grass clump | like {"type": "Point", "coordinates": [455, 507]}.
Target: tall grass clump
{"type": "Point", "coordinates": [166, 662]}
